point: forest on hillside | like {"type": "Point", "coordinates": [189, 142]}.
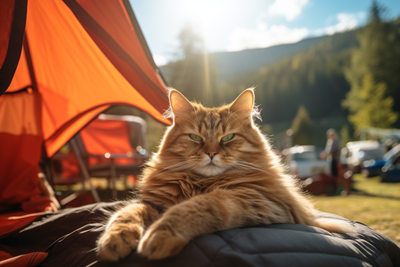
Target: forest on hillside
{"type": "Point", "coordinates": [313, 79]}
{"type": "Point", "coordinates": [347, 81]}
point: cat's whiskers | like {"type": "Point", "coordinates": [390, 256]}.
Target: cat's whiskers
{"type": "Point", "coordinates": [180, 166]}
{"type": "Point", "coordinates": [252, 166]}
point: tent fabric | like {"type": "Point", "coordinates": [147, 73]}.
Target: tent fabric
{"type": "Point", "coordinates": [22, 81]}
{"type": "Point", "coordinates": [12, 21]}
{"type": "Point", "coordinates": [120, 42]}
{"type": "Point", "coordinates": [64, 133]}
{"type": "Point", "coordinates": [12, 221]}
{"type": "Point", "coordinates": [72, 60]}
{"type": "Point", "coordinates": [21, 148]}
{"type": "Point", "coordinates": [82, 58]}
{"type": "Point", "coordinates": [71, 236]}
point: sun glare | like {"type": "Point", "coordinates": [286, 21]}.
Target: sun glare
{"type": "Point", "coordinates": [206, 15]}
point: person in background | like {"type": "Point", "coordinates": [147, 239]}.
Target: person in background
{"type": "Point", "coordinates": [333, 149]}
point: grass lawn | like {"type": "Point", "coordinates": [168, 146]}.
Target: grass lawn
{"type": "Point", "coordinates": [373, 203]}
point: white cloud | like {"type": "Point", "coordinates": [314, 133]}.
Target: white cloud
{"type": "Point", "coordinates": [160, 60]}
{"type": "Point", "coordinates": [345, 22]}
{"type": "Point", "coordinates": [290, 9]}
{"type": "Point", "coordinates": [264, 36]}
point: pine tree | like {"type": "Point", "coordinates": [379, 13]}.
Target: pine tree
{"type": "Point", "coordinates": [379, 56]}
{"type": "Point", "coordinates": [369, 106]}
{"type": "Point", "coordinates": [301, 126]}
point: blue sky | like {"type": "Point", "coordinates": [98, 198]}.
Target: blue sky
{"type": "Point", "coordinates": [232, 25]}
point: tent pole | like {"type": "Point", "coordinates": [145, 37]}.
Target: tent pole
{"type": "Point", "coordinates": [85, 172]}
{"type": "Point", "coordinates": [15, 40]}
{"type": "Point", "coordinates": [30, 64]}
{"type": "Point", "coordinates": [38, 111]}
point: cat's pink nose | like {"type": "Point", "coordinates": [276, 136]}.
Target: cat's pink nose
{"type": "Point", "coordinates": [211, 153]}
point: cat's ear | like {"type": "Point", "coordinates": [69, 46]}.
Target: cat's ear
{"type": "Point", "coordinates": [244, 103]}
{"type": "Point", "coordinates": [178, 103]}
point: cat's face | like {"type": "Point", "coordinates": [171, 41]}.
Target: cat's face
{"type": "Point", "coordinates": [210, 141]}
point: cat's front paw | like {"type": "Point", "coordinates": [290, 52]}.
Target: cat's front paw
{"type": "Point", "coordinates": [119, 240]}
{"type": "Point", "coordinates": [160, 242]}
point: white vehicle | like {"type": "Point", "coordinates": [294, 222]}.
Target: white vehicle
{"type": "Point", "coordinates": [355, 153]}
{"type": "Point", "coordinates": [304, 161]}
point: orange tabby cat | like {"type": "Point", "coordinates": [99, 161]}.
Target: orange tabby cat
{"type": "Point", "coordinates": [214, 171]}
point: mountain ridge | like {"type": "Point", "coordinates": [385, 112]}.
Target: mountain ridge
{"type": "Point", "coordinates": [233, 63]}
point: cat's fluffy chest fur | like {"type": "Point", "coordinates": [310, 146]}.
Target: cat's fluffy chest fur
{"type": "Point", "coordinates": [214, 171]}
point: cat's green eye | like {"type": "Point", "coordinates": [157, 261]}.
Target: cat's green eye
{"type": "Point", "coordinates": [227, 138]}
{"type": "Point", "coordinates": [195, 137]}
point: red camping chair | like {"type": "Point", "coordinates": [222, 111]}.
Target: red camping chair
{"type": "Point", "coordinates": [111, 146]}
{"type": "Point", "coordinates": [324, 184]}
{"type": "Point", "coordinates": [64, 170]}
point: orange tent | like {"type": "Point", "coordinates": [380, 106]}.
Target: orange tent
{"type": "Point", "coordinates": [63, 63]}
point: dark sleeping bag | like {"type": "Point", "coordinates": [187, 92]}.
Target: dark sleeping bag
{"type": "Point", "coordinates": [69, 237]}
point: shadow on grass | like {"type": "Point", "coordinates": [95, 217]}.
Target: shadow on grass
{"type": "Point", "coordinates": [359, 192]}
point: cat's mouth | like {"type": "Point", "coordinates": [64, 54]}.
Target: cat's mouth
{"type": "Point", "coordinates": [210, 168]}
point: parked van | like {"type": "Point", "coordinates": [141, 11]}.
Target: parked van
{"type": "Point", "coordinates": [355, 153]}
{"type": "Point", "coordinates": [304, 161]}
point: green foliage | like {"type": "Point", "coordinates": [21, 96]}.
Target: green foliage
{"type": "Point", "coordinates": [314, 78]}
{"type": "Point", "coordinates": [375, 12]}
{"type": "Point", "coordinates": [344, 135]}
{"type": "Point", "coordinates": [239, 62]}
{"type": "Point", "coordinates": [378, 55]}
{"type": "Point", "coordinates": [301, 126]}
{"type": "Point", "coordinates": [368, 105]}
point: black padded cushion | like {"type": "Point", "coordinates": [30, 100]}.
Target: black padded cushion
{"type": "Point", "coordinates": [69, 236]}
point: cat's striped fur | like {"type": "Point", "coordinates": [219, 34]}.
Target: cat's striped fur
{"type": "Point", "coordinates": [186, 190]}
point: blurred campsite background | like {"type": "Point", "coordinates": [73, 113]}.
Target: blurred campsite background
{"type": "Point", "coordinates": [84, 85]}
{"type": "Point", "coordinates": [348, 80]}
{"type": "Point", "coordinates": [344, 76]}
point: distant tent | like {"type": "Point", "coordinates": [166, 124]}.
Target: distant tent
{"type": "Point", "coordinates": [63, 63]}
